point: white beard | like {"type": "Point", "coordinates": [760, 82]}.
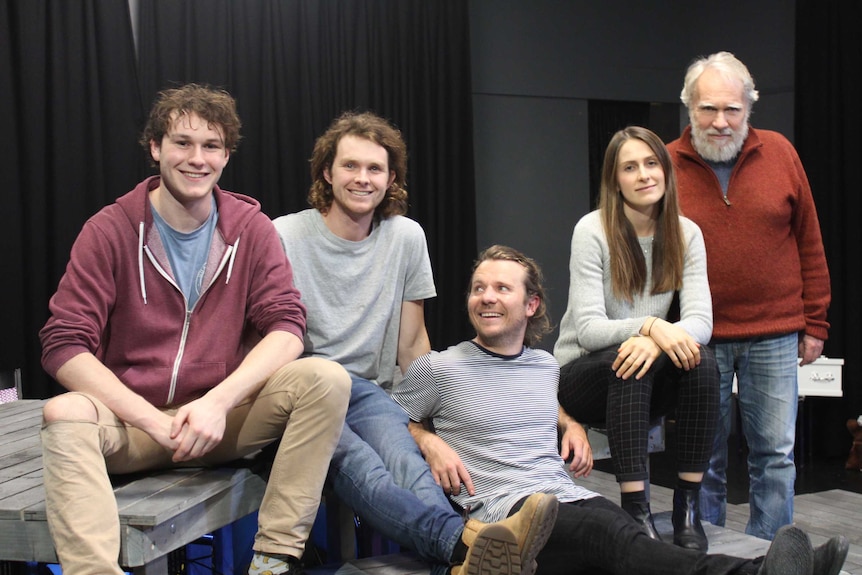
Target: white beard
{"type": "Point", "coordinates": [708, 150]}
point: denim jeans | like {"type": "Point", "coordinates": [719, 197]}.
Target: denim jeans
{"type": "Point", "coordinates": [766, 370]}
{"type": "Point", "coordinates": [377, 469]}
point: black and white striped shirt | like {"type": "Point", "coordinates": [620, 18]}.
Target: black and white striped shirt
{"type": "Point", "coordinates": [499, 413]}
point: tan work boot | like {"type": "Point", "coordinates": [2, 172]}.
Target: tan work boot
{"type": "Point", "coordinates": [492, 549]}
{"type": "Point", "coordinates": [532, 525]}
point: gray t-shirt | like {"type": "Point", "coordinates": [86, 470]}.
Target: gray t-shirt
{"type": "Point", "coordinates": [354, 290]}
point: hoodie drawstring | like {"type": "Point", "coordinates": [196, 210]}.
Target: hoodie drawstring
{"type": "Point", "coordinates": [141, 261]}
{"type": "Point", "coordinates": [233, 250]}
{"type": "Point", "coordinates": [232, 257]}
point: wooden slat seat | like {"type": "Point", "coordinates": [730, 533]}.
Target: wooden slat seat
{"type": "Point", "coordinates": [159, 511]}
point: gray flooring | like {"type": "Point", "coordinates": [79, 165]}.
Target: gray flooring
{"type": "Point", "coordinates": [820, 514]}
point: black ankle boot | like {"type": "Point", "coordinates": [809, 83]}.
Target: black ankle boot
{"type": "Point", "coordinates": [639, 510]}
{"type": "Point", "coordinates": [687, 530]}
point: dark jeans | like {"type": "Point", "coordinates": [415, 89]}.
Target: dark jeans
{"type": "Point", "coordinates": [596, 536]}
{"type": "Point", "coordinates": [592, 393]}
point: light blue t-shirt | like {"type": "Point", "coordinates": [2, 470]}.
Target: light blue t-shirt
{"type": "Point", "coordinates": [353, 291]}
{"type": "Point", "coordinates": [188, 253]}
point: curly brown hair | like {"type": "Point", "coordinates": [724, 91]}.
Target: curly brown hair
{"type": "Point", "coordinates": [371, 127]}
{"type": "Point", "coordinates": [214, 106]}
{"type": "Point", "coordinates": [540, 323]}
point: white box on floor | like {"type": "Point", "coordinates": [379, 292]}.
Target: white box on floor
{"type": "Point", "coordinates": [822, 378]}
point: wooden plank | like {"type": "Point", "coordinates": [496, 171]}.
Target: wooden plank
{"type": "Point", "coordinates": [17, 542]}
{"type": "Point", "coordinates": [20, 463]}
{"type": "Point", "coordinates": [28, 419]}
{"type": "Point", "coordinates": [19, 441]}
{"type": "Point", "coordinates": [21, 484]}
{"type": "Point", "coordinates": [830, 512]}
{"type": "Point", "coordinates": [144, 544]}
{"type": "Point", "coordinates": [32, 503]}
{"type": "Point", "coordinates": [853, 564]}
{"type": "Point", "coordinates": [11, 489]}
{"type": "Point", "coordinates": [23, 406]}
{"type": "Point", "coordinates": [155, 499]}
{"type": "Point", "coordinates": [41, 545]}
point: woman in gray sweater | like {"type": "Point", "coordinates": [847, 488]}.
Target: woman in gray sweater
{"type": "Point", "coordinates": [632, 342]}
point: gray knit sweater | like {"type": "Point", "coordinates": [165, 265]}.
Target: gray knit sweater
{"type": "Point", "coordinates": [595, 319]}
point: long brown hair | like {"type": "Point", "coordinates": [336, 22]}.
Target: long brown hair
{"type": "Point", "coordinates": [370, 127]}
{"type": "Point", "coordinates": [628, 266]}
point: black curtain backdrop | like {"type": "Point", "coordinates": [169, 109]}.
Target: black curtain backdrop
{"type": "Point", "coordinates": [294, 65]}
{"type": "Point", "coordinates": [69, 114]}
{"type": "Point", "coordinates": [78, 100]}
{"type": "Point", "coordinates": [828, 120]}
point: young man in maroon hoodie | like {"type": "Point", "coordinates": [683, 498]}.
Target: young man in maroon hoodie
{"type": "Point", "coordinates": [177, 331]}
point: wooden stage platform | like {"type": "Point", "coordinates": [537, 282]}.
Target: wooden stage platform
{"type": "Point", "coordinates": [24, 537]}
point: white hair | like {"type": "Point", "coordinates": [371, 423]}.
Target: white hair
{"type": "Point", "coordinates": [726, 64]}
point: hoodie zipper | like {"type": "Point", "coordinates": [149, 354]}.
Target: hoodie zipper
{"type": "Point", "coordinates": [228, 256]}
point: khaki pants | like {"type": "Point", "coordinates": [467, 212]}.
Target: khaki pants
{"type": "Point", "coordinates": [303, 404]}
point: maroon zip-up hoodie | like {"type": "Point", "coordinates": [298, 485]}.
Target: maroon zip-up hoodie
{"type": "Point", "coordinates": [118, 300]}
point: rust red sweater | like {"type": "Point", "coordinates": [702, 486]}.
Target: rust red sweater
{"type": "Point", "coordinates": [765, 258]}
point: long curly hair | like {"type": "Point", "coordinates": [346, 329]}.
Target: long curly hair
{"type": "Point", "coordinates": [371, 127]}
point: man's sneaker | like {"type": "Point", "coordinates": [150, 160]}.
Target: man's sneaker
{"type": "Point", "coordinates": [532, 525]}
{"type": "Point", "coordinates": [789, 554]}
{"type": "Point", "coordinates": [262, 564]}
{"type": "Point", "coordinates": [829, 557]}
{"type": "Point", "coordinates": [492, 549]}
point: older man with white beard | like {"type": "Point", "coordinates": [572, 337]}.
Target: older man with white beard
{"type": "Point", "coordinates": [749, 194]}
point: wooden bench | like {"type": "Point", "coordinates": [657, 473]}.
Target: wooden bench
{"type": "Point", "coordinates": [159, 512]}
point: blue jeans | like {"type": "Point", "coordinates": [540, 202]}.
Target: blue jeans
{"type": "Point", "coordinates": [766, 371]}
{"type": "Point", "coordinates": [377, 470]}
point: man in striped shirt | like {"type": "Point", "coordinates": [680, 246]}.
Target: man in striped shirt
{"type": "Point", "coordinates": [493, 405]}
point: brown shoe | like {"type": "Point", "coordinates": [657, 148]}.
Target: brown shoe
{"type": "Point", "coordinates": [532, 525]}
{"type": "Point", "coordinates": [492, 549]}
